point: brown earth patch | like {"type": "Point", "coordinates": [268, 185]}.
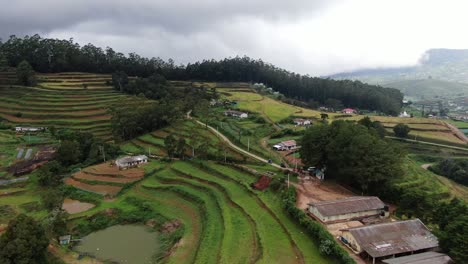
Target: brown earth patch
{"type": "Point", "coordinates": [95, 188]}
{"type": "Point", "coordinates": [75, 206]}
{"type": "Point", "coordinates": [109, 169]}
{"type": "Point", "coordinates": [83, 176]}
{"type": "Point", "coordinates": [313, 190]}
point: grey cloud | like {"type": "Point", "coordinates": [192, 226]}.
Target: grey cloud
{"type": "Point", "coordinates": [181, 16]}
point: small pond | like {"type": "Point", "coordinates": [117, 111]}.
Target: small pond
{"type": "Point", "coordinates": [464, 130]}
{"type": "Point", "coordinates": [122, 244]}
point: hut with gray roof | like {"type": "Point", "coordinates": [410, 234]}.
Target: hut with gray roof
{"type": "Point", "coordinates": [390, 240]}
{"type": "Point", "coordinates": [131, 161]}
{"type": "Point", "coordinates": [421, 258]}
{"type": "Point", "coordinates": [351, 208]}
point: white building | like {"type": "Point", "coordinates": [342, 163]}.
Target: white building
{"type": "Point", "coordinates": [131, 161]}
{"type": "Point", "coordinates": [29, 129]}
{"type": "Point", "coordinates": [236, 114]}
{"type": "Point", "coordinates": [404, 114]}
{"type": "Point", "coordinates": [302, 122]}
{"type": "Point", "coordinates": [286, 145]}
{"type": "Point", "coordinates": [346, 209]}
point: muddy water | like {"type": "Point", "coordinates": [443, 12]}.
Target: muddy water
{"type": "Point", "coordinates": [121, 244]}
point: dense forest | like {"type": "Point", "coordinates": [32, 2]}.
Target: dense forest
{"type": "Point", "coordinates": [54, 55]}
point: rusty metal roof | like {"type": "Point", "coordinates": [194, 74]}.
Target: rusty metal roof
{"type": "Point", "coordinates": [289, 143]}
{"type": "Point", "coordinates": [422, 258]}
{"type": "Point", "coordinates": [348, 205]}
{"type": "Point", "coordinates": [393, 238]}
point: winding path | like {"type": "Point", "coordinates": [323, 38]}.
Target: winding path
{"type": "Point", "coordinates": [234, 146]}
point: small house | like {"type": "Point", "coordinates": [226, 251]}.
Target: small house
{"type": "Point", "coordinates": [131, 161]}
{"type": "Point", "coordinates": [285, 145]}
{"type": "Point", "coordinates": [404, 114]}
{"type": "Point", "coordinates": [65, 240]}
{"type": "Point", "coordinates": [29, 129]}
{"type": "Point", "coordinates": [348, 111]}
{"type": "Point", "coordinates": [237, 114]}
{"type": "Point", "coordinates": [302, 122]}
{"type": "Point", "coordinates": [351, 208]}
{"type": "Point", "coordinates": [390, 240]}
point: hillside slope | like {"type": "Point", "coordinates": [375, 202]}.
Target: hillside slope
{"type": "Point", "coordinates": [66, 100]}
{"type": "Point", "coordinates": [429, 88]}
{"type": "Point", "coordinates": [442, 64]}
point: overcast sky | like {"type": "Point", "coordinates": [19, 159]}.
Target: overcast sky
{"type": "Point", "coordinates": [315, 37]}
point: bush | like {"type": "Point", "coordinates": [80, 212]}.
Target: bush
{"type": "Point", "coordinates": [401, 130]}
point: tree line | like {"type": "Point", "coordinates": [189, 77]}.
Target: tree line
{"type": "Point", "coordinates": [54, 55]}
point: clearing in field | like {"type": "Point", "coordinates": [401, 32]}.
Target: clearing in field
{"type": "Point", "coordinates": [75, 206]}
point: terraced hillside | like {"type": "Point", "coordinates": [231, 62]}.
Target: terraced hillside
{"type": "Point", "coordinates": [104, 179]}
{"type": "Point", "coordinates": [225, 220]}
{"type": "Point", "coordinates": [194, 134]}
{"type": "Point", "coordinates": [8, 77]}
{"type": "Point", "coordinates": [60, 100]}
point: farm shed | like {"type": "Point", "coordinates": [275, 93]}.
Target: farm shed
{"type": "Point", "coordinates": [65, 240]}
{"type": "Point", "coordinates": [422, 258]}
{"type": "Point", "coordinates": [348, 111]}
{"type": "Point", "coordinates": [236, 114]}
{"type": "Point", "coordinates": [131, 161]}
{"type": "Point", "coordinates": [389, 240]}
{"type": "Point", "coordinates": [347, 209]}
{"type": "Point", "coordinates": [302, 122]}
{"type": "Point", "coordinates": [286, 145]}
{"type": "Point", "coordinates": [29, 129]}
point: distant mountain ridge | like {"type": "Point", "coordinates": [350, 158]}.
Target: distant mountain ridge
{"type": "Point", "coordinates": [443, 64]}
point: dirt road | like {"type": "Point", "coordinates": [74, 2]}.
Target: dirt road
{"type": "Point", "coordinates": [232, 145]}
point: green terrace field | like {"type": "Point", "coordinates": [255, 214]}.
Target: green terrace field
{"type": "Point", "coordinates": [225, 220]}
{"type": "Point", "coordinates": [194, 134]}
{"type": "Point", "coordinates": [274, 111]}
{"type": "Point", "coordinates": [62, 105]}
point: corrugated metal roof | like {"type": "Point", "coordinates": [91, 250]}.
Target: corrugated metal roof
{"type": "Point", "coordinates": [289, 143]}
{"type": "Point", "coordinates": [422, 258]}
{"type": "Point", "coordinates": [348, 205]}
{"type": "Point", "coordinates": [129, 159]}
{"type": "Point", "coordinates": [393, 238]}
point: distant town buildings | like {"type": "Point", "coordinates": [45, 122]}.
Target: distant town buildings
{"type": "Point", "coordinates": [131, 161]}
{"type": "Point", "coordinates": [237, 114]}
{"type": "Point", "coordinates": [347, 209]}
